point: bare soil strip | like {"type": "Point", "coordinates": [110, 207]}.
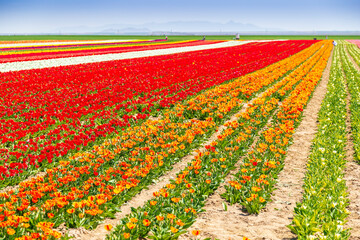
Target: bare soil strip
{"type": "Point", "coordinates": [272, 221]}
{"type": "Point", "coordinates": [146, 194]}
{"type": "Point", "coordinates": [215, 200]}
{"type": "Point", "coordinates": [352, 176]}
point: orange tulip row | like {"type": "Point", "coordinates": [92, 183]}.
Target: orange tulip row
{"type": "Point", "coordinates": [90, 186]}
{"type": "Point", "coordinates": [253, 184]}
{"type": "Point", "coordinates": [186, 195]}
{"type": "Point", "coordinates": [225, 98]}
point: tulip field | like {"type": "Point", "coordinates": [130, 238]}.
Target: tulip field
{"type": "Point", "coordinates": [87, 128]}
{"type": "Point", "coordinates": [29, 52]}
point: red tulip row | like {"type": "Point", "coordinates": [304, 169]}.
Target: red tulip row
{"type": "Point", "coordinates": [94, 184]}
{"type": "Point", "coordinates": [48, 113]}
{"type": "Point", "coordinates": [29, 56]}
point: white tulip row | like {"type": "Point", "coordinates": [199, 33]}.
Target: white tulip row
{"type": "Point", "coordinates": [56, 62]}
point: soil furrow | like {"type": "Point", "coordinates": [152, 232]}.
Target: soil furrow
{"type": "Point", "coordinates": [352, 174]}
{"type": "Point", "coordinates": [272, 221]}
{"type": "Point", "coordinates": [146, 194]}
{"type": "Point", "coordinates": [215, 202]}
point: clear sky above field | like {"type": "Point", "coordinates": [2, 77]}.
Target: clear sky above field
{"type": "Point", "coordinates": [36, 16]}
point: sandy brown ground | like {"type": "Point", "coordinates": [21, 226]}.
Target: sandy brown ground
{"type": "Point", "coordinates": [43, 173]}
{"type": "Point", "coordinates": [221, 188]}
{"type": "Point", "coordinates": [352, 177]}
{"type": "Point", "coordinates": [146, 194]}
{"type": "Point", "coordinates": [14, 188]}
{"type": "Point", "coordinates": [270, 223]}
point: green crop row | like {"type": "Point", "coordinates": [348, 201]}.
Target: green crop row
{"type": "Point", "coordinates": [322, 212]}
{"type": "Point", "coordinates": [353, 82]}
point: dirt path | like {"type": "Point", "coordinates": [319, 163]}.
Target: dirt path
{"type": "Point", "coordinates": [215, 199]}
{"type": "Point", "coordinates": [145, 195]}
{"type": "Point", "coordinates": [270, 223]}
{"type": "Point", "coordinates": [352, 176]}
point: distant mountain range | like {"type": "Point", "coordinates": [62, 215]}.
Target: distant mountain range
{"type": "Point", "coordinates": [184, 28]}
{"type": "Point", "coordinates": [166, 27]}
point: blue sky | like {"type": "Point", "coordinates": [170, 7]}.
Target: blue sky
{"type": "Point", "coordinates": [38, 16]}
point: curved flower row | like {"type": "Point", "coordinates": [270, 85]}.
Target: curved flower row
{"type": "Point", "coordinates": [175, 206]}
{"type": "Point", "coordinates": [242, 88]}
{"type": "Point", "coordinates": [253, 184]}
{"type": "Point", "coordinates": [93, 185]}
{"type": "Point", "coordinates": [322, 212]}
{"type": "Point", "coordinates": [40, 125]}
